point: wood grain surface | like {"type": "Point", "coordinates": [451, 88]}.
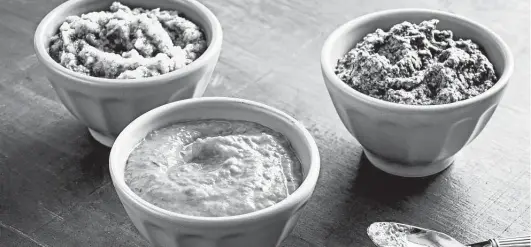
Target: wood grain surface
{"type": "Point", "coordinates": [55, 187]}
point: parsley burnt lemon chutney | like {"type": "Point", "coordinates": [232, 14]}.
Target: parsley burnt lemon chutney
{"type": "Point", "coordinates": [417, 64]}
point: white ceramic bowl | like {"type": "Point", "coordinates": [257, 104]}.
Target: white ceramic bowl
{"type": "Point", "coordinates": [263, 228]}
{"type": "Point", "coordinates": [106, 106]}
{"type": "Point", "coordinates": [411, 140]}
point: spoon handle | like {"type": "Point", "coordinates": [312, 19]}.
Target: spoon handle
{"type": "Point", "coordinates": [524, 241]}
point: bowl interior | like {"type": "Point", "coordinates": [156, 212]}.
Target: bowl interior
{"type": "Point", "coordinates": [346, 36]}
{"type": "Point", "coordinates": [214, 108]}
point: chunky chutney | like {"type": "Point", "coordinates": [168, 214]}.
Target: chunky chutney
{"type": "Point", "coordinates": [213, 168]}
{"type": "Point", "coordinates": [125, 43]}
{"type": "Point", "coordinates": [417, 64]}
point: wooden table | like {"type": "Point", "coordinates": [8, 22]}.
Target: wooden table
{"type": "Point", "coordinates": [55, 188]}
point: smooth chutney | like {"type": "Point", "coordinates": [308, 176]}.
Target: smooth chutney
{"type": "Point", "coordinates": [213, 168]}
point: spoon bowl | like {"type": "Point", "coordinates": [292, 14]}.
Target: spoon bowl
{"type": "Point", "coordinates": [390, 234]}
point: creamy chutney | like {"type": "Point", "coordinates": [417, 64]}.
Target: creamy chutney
{"type": "Point", "coordinates": [127, 43]}
{"type": "Point", "coordinates": [213, 168]}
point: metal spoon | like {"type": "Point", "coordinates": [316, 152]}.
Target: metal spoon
{"type": "Point", "coordinates": [390, 234]}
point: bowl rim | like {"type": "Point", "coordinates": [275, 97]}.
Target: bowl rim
{"type": "Point", "coordinates": [302, 193]}
{"type": "Point", "coordinates": [210, 53]}
{"type": "Point", "coordinates": [328, 67]}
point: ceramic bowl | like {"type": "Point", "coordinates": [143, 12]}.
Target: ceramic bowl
{"type": "Point", "coordinates": [413, 140]}
{"type": "Point", "coordinates": [263, 228]}
{"type": "Point", "coordinates": [106, 106]}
